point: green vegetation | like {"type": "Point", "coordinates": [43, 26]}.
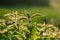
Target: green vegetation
{"type": "Point", "coordinates": [16, 26]}
{"type": "Point", "coordinates": [32, 20]}
{"type": "Point", "coordinates": [50, 13]}
{"type": "Point", "coordinates": [32, 9]}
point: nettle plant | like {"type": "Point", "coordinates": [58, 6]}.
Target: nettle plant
{"type": "Point", "coordinates": [20, 27]}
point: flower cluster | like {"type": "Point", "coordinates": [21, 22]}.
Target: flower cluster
{"type": "Point", "coordinates": [19, 27]}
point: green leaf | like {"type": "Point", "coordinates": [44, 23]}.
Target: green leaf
{"type": "Point", "coordinates": [34, 30]}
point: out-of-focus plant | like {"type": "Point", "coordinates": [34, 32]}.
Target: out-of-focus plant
{"type": "Point", "coordinates": [20, 27]}
{"type": "Point", "coordinates": [48, 31]}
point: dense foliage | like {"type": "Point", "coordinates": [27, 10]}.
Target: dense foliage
{"type": "Point", "coordinates": [20, 27]}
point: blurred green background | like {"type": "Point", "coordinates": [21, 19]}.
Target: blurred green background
{"type": "Point", "coordinates": [50, 8]}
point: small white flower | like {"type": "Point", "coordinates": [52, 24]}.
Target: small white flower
{"type": "Point", "coordinates": [44, 34]}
